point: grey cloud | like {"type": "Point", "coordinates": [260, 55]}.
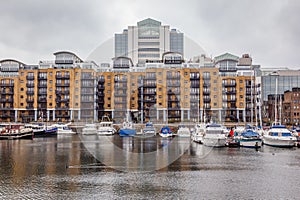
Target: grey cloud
{"type": "Point", "coordinates": [32, 30]}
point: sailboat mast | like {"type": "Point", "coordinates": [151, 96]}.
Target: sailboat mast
{"type": "Point", "coordinates": [276, 100]}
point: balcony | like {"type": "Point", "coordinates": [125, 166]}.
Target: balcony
{"type": "Point", "coordinates": [62, 100]}
{"type": "Point", "coordinates": [5, 92]}
{"type": "Point", "coordinates": [206, 100]}
{"type": "Point", "coordinates": [100, 101]}
{"type": "Point", "coordinates": [6, 84]}
{"type": "Point", "coordinates": [174, 108]}
{"type": "Point", "coordinates": [59, 76]}
{"type": "Point", "coordinates": [194, 78]}
{"type": "Point", "coordinates": [30, 85]}
{"type": "Point", "coordinates": [173, 77]}
{"type": "Point", "coordinates": [150, 85]}
{"type": "Point", "coordinates": [61, 108]}
{"type": "Point", "coordinates": [227, 69]}
{"type": "Point", "coordinates": [30, 77]}
{"type": "Point", "coordinates": [207, 106]}
{"type": "Point", "coordinates": [150, 100]}
{"type": "Point", "coordinates": [29, 107]}
{"type": "Point", "coordinates": [42, 85]}
{"type": "Point", "coordinates": [39, 92]}
{"type": "Point", "coordinates": [120, 94]}
{"type": "Point", "coordinates": [206, 92]}
{"type": "Point", "coordinates": [101, 80]}
{"type": "Point", "coordinates": [231, 100]}
{"type": "Point", "coordinates": [41, 100]}
{"type": "Point", "coordinates": [7, 108]}
{"type": "Point", "coordinates": [29, 100]}
{"type": "Point", "coordinates": [63, 116]}
{"type": "Point", "coordinates": [230, 92]}
{"type": "Point", "coordinates": [101, 87]}
{"type": "Point", "coordinates": [150, 78]}
{"type": "Point", "coordinates": [148, 93]}
{"type": "Point", "coordinates": [229, 84]}
{"type": "Point", "coordinates": [100, 94]}
{"type": "Point", "coordinates": [206, 84]}
{"type": "Point", "coordinates": [42, 78]}
{"type": "Point", "coordinates": [62, 84]}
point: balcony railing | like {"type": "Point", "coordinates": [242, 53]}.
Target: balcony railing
{"type": "Point", "coordinates": [30, 77]}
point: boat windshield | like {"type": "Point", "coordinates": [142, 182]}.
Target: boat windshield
{"type": "Point", "coordinates": [286, 134]}
{"type": "Point", "coordinates": [214, 132]}
{"type": "Point", "coordinates": [274, 134]}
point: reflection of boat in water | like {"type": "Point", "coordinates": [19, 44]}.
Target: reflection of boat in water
{"type": "Point", "coordinates": [214, 135]}
{"type": "Point", "coordinates": [15, 131]}
{"type": "Point", "coordinates": [183, 132]}
{"type": "Point", "coordinates": [279, 136]}
{"type": "Point", "coordinates": [149, 129]}
{"type": "Point", "coordinates": [89, 129]}
{"type": "Point", "coordinates": [166, 132]}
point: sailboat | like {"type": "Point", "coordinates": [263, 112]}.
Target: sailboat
{"type": "Point", "coordinates": [199, 130]}
{"type": "Point", "coordinates": [166, 130]}
{"type": "Point", "coordinates": [279, 135]}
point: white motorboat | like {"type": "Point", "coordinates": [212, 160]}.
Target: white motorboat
{"type": "Point", "coordinates": [89, 129]}
{"type": "Point", "coordinates": [183, 132]}
{"type": "Point", "coordinates": [106, 128]}
{"type": "Point", "coordinates": [149, 129]}
{"type": "Point", "coordinates": [63, 128]}
{"type": "Point", "coordinates": [279, 136]}
{"type": "Point", "coordinates": [198, 132]}
{"type": "Point", "coordinates": [214, 136]}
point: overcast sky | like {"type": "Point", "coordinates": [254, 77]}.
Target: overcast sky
{"type": "Point", "coordinates": [268, 30]}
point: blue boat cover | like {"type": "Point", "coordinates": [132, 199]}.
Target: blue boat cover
{"type": "Point", "coordinates": [165, 130]}
{"type": "Point", "coordinates": [249, 133]}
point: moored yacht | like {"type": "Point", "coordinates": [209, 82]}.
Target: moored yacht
{"type": "Point", "coordinates": [149, 129]}
{"type": "Point", "coordinates": [106, 128]}
{"type": "Point", "coordinates": [250, 138]}
{"type": "Point", "coordinates": [214, 136]}
{"type": "Point", "coordinates": [183, 131]}
{"type": "Point", "coordinates": [166, 132]}
{"type": "Point", "coordinates": [127, 129]}
{"type": "Point", "coordinates": [89, 129]}
{"type": "Point", "coordinates": [63, 129]}
{"type": "Point", "coordinates": [279, 136]}
{"type": "Point", "coordinates": [15, 131]}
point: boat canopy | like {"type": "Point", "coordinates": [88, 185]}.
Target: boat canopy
{"type": "Point", "coordinates": [249, 133]}
{"type": "Point", "coordinates": [165, 130]}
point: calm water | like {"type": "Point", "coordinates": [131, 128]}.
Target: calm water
{"type": "Point", "coordinates": [63, 168]}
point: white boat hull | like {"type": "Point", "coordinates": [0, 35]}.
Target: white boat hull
{"type": "Point", "coordinates": [279, 141]}
{"type": "Point", "coordinates": [250, 143]}
{"type": "Point", "coordinates": [107, 132]}
{"type": "Point", "coordinates": [214, 142]}
{"type": "Point", "coordinates": [166, 135]}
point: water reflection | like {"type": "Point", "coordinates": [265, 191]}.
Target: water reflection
{"type": "Point", "coordinates": [135, 154]}
{"type": "Point", "coordinates": [64, 168]}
